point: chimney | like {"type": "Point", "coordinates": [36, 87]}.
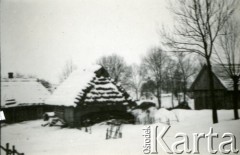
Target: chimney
{"type": "Point", "coordinates": [10, 75]}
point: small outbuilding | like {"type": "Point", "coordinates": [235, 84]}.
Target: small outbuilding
{"type": "Point", "coordinates": [223, 88]}
{"type": "Point", "coordinates": [22, 99]}
{"type": "Point", "coordinates": [88, 96]}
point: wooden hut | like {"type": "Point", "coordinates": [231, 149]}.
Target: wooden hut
{"type": "Point", "coordinates": [223, 88]}
{"type": "Point", "coordinates": [90, 96]}
{"type": "Point", "coordinates": [22, 99]}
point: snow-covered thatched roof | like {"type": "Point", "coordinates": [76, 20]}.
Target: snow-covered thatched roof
{"type": "Point", "coordinates": [89, 85]}
{"type": "Point", "coordinates": [22, 92]}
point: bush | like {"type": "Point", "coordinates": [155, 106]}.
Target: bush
{"type": "Point", "coordinates": [182, 105]}
{"type": "Point", "coordinates": [146, 105]}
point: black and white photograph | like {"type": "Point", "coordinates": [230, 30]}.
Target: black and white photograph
{"type": "Point", "coordinates": [119, 77]}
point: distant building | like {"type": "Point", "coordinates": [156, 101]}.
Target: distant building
{"type": "Point", "coordinates": [90, 96]}
{"type": "Point", "coordinates": [22, 98]}
{"type": "Point", "coordinates": [223, 88]}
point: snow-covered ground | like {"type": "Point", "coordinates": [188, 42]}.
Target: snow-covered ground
{"type": "Point", "coordinates": [33, 139]}
{"type": "Point", "coordinates": [169, 102]}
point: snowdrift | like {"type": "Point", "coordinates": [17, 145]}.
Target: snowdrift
{"type": "Point", "coordinates": [153, 115]}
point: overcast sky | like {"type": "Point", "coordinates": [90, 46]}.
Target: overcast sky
{"type": "Point", "coordinates": [39, 36]}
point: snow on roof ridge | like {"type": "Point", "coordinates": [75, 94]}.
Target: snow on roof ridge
{"type": "Point", "coordinates": [78, 80]}
{"type": "Point", "coordinates": [70, 92]}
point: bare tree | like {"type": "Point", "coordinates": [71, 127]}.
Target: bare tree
{"type": "Point", "coordinates": [115, 65]}
{"type": "Point", "coordinates": [169, 76]}
{"type": "Point", "coordinates": [136, 79]}
{"type": "Point", "coordinates": [187, 69]}
{"type": "Point", "coordinates": [68, 68]}
{"type": "Point", "coordinates": [155, 62]}
{"type": "Point", "coordinates": [199, 25]}
{"type": "Point", "coordinates": [148, 89]}
{"type": "Point", "coordinates": [125, 78]}
{"type": "Point", "coordinates": [229, 58]}
{"type": "Point", "coordinates": [178, 82]}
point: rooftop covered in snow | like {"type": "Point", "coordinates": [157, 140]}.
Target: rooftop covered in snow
{"type": "Point", "coordinates": [88, 86]}
{"type": "Point", "coordinates": [22, 92]}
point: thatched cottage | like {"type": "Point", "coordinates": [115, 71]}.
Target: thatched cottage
{"type": "Point", "coordinates": [22, 98]}
{"type": "Point", "coordinates": [89, 96]}
{"type": "Point", "coordinates": [223, 88]}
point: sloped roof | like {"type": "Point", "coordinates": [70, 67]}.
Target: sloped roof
{"type": "Point", "coordinates": [222, 75]}
{"type": "Point", "coordinates": [102, 90]}
{"type": "Point", "coordinates": [221, 79]}
{"type": "Point", "coordinates": [85, 86]}
{"type": "Point", "coordinates": [22, 92]}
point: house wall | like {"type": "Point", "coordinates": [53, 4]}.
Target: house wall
{"type": "Point", "coordinates": [23, 113]}
{"type": "Point", "coordinates": [59, 111]}
{"type": "Point", "coordinates": [48, 108]}
{"type": "Point", "coordinates": [201, 91]}
{"type": "Point", "coordinates": [81, 113]}
{"type": "Point", "coordinates": [65, 113]}
{"type": "Point", "coordinates": [69, 115]}
{"type": "Point", "coordinates": [223, 99]}
{"type": "Point", "coordinates": [230, 98]}
{"type": "Point", "coordinates": [75, 116]}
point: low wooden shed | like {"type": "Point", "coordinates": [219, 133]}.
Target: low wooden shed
{"type": "Point", "coordinates": [89, 96]}
{"type": "Point", "coordinates": [223, 88]}
{"type": "Point", "coordinates": [22, 99]}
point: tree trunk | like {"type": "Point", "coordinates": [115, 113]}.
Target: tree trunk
{"type": "Point", "coordinates": [235, 97]}
{"type": "Point", "coordinates": [136, 94]}
{"type": "Point", "coordinates": [172, 92]}
{"type": "Point", "coordinates": [158, 96]}
{"type": "Point", "coordinates": [212, 95]}
{"type": "Point", "coordinates": [184, 91]}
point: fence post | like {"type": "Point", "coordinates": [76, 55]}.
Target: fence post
{"type": "Point", "coordinates": [7, 148]}
{"type": "Point", "coordinates": [120, 134]}
{"type": "Point", "coordinates": [168, 121]}
{"type": "Point", "coordinates": [90, 130]}
{"type": "Point", "coordinates": [13, 150]}
{"type": "Point", "coordinates": [107, 134]}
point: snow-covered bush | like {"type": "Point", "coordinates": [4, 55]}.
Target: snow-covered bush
{"type": "Point", "coordinates": [153, 115]}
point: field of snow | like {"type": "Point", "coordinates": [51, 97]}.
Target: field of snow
{"type": "Point", "coordinates": [33, 139]}
{"type": "Point", "coordinates": [166, 100]}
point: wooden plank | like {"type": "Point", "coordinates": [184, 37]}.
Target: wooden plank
{"type": "Point", "coordinates": [13, 150]}
{"type": "Point", "coordinates": [7, 148]}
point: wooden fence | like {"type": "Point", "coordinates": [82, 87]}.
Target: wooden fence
{"type": "Point", "coordinates": [114, 131]}
{"type": "Point", "coordinates": [12, 151]}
